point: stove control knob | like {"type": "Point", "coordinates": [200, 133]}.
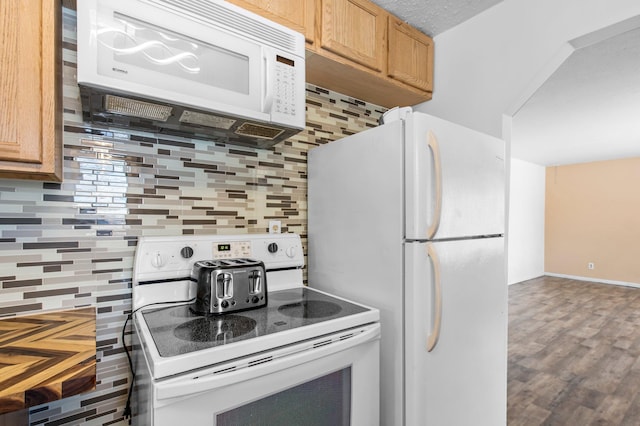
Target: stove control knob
{"type": "Point", "coordinates": [186, 252]}
{"type": "Point", "coordinates": [255, 299]}
{"type": "Point", "coordinates": [158, 260]}
{"type": "Point", "coordinates": [291, 251]}
{"type": "Point", "coordinates": [224, 304]}
{"type": "Point", "coordinates": [273, 248]}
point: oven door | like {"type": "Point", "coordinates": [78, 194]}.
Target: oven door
{"type": "Point", "coordinates": [332, 380]}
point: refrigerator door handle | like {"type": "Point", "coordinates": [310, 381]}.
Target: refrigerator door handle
{"type": "Point", "coordinates": [432, 339]}
{"type": "Point", "coordinates": [432, 143]}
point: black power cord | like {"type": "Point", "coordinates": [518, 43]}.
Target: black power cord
{"type": "Point", "coordinates": [127, 408]}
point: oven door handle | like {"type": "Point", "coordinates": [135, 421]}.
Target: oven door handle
{"type": "Point", "coordinates": [282, 359]}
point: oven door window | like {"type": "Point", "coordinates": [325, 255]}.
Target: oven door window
{"type": "Point", "coordinates": [322, 401]}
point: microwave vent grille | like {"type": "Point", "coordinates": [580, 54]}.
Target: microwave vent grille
{"type": "Point", "coordinates": [258, 131]}
{"type": "Point", "coordinates": [136, 108]}
{"type": "Point", "coordinates": [209, 120]}
{"type": "Point", "coordinates": [216, 14]}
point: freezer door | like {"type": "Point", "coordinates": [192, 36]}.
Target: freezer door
{"type": "Point", "coordinates": [462, 380]}
{"type": "Point", "coordinates": [454, 180]}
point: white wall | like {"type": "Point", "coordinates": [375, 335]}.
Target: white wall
{"type": "Point", "coordinates": [487, 67]}
{"type": "Point", "coordinates": [526, 221]}
{"type": "Point", "coordinates": [490, 64]}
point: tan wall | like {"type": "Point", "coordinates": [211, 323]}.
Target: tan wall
{"type": "Point", "coordinates": [592, 214]}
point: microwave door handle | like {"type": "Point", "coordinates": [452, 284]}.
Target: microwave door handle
{"type": "Point", "coordinates": [267, 100]}
{"type": "Point", "coordinates": [432, 339]}
{"type": "Point", "coordinates": [434, 147]}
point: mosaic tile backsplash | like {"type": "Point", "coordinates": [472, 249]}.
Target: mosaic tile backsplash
{"type": "Point", "coordinates": [71, 244]}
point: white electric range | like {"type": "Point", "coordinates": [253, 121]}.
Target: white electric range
{"type": "Point", "coordinates": [307, 357]}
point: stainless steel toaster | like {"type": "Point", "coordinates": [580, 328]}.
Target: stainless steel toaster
{"type": "Point", "coordinates": [229, 285]}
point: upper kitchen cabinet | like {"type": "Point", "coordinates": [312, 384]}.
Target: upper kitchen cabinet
{"type": "Point", "coordinates": [30, 102]}
{"type": "Point", "coordinates": [295, 14]}
{"type": "Point", "coordinates": [355, 30]}
{"type": "Point", "coordinates": [410, 58]}
{"type": "Point", "coordinates": [365, 52]}
{"type": "Point", "coordinates": [356, 48]}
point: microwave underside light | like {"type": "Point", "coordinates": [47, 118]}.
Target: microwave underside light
{"type": "Point", "coordinates": [209, 120]}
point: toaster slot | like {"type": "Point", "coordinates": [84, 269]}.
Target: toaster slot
{"type": "Point", "coordinates": [255, 282]}
{"type": "Point", "coordinates": [224, 285]}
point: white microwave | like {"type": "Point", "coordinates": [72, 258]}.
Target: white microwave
{"type": "Point", "coordinates": [205, 69]}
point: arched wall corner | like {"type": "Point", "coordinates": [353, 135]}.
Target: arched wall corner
{"type": "Point", "coordinates": [525, 259]}
{"type": "Point", "coordinates": [559, 57]}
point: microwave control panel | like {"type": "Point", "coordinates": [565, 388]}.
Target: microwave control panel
{"type": "Point", "coordinates": [285, 90]}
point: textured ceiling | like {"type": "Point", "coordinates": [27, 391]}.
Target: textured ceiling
{"type": "Point", "coordinates": [433, 17]}
{"type": "Point", "coordinates": [588, 110]}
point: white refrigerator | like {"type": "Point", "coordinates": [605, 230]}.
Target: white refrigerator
{"type": "Point", "coordinates": [408, 217]}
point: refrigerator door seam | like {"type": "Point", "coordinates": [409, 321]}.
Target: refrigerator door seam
{"type": "Point", "coordinates": [436, 240]}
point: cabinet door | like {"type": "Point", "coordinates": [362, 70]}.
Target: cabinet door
{"type": "Point", "coordinates": [410, 55]}
{"type": "Point", "coordinates": [356, 30]}
{"type": "Point", "coordinates": [29, 101]}
{"type": "Point", "coordinates": [295, 14]}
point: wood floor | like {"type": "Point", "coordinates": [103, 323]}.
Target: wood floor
{"type": "Point", "coordinates": [574, 353]}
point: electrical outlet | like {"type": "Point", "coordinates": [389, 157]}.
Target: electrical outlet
{"type": "Point", "coordinates": [591, 265]}
{"type": "Point", "coordinates": [275, 226]}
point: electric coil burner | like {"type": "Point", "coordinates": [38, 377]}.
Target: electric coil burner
{"type": "Point", "coordinates": [259, 363]}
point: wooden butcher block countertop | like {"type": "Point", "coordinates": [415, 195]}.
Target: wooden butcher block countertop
{"type": "Point", "coordinates": [45, 357]}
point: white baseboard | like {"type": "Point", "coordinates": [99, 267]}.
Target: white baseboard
{"type": "Point", "coordinates": [542, 274]}
{"type": "Point", "coordinates": [595, 280]}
